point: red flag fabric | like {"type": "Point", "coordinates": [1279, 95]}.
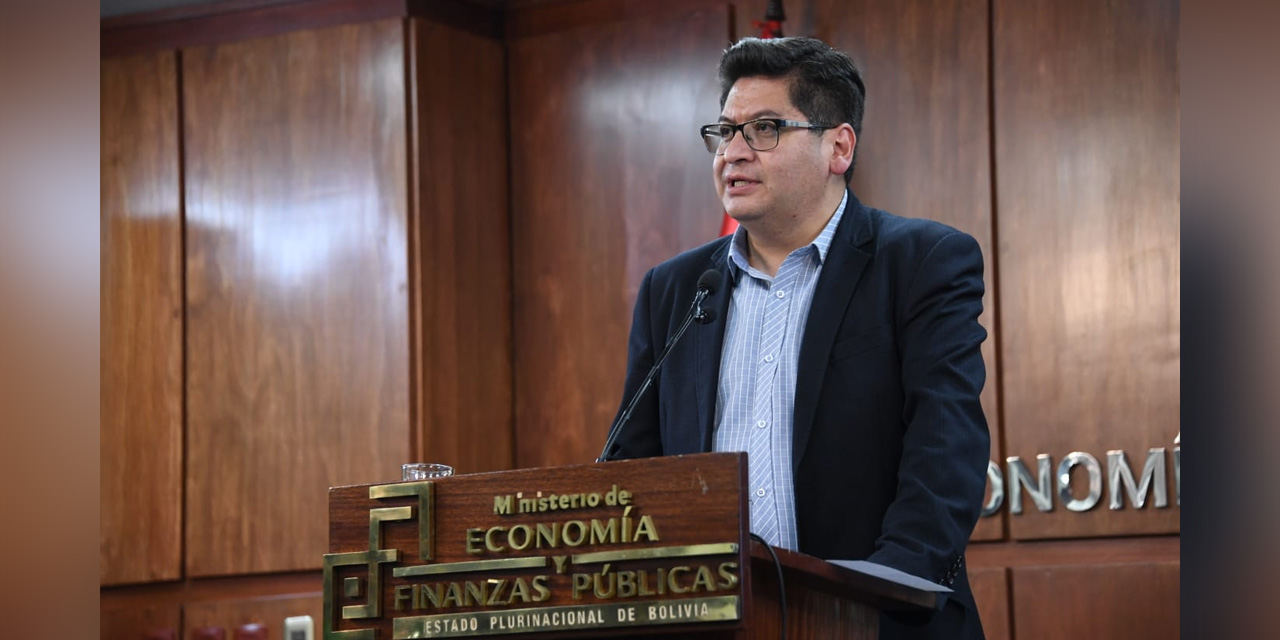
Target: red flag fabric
{"type": "Point", "coordinates": [727, 225]}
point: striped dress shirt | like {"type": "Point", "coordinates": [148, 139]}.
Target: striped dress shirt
{"type": "Point", "coordinates": [755, 402]}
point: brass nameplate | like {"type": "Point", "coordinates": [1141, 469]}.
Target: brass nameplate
{"type": "Point", "coordinates": [565, 618]}
{"type": "Point", "coordinates": [579, 549]}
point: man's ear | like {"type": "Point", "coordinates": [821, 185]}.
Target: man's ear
{"type": "Point", "coordinates": [842, 149]}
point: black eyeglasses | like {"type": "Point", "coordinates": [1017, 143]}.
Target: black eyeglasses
{"type": "Point", "coordinates": [761, 134]}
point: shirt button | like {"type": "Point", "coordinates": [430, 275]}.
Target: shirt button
{"type": "Point", "coordinates": [781, 294]}
{"type": "Point", "coordinates": [768, 358]}
{"type": "Point", "coordinates": [761, 424]}
{"type": "Point", "coordinates": [760, 492]}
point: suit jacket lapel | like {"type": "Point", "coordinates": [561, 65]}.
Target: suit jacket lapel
{"type": "Point", "coordinates": [846, 260]}
{"type": "Point", "coordinates": [709, 340]}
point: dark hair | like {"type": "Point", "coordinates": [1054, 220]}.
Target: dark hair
{"type": "Point", "coordinates": [825, 85]}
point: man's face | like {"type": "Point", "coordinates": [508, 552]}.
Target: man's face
{"type": "Point", "coordinates": [782, 183]}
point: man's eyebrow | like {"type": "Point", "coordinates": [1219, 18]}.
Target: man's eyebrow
{"type": "Point", "coordinates": [766, 113]}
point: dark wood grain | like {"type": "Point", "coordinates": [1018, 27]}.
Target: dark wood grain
{"type": "Point", "coordinates": [140, 622]}
{"type": "Point", "coordinates": [528, 18]}
{"type": "Point", "coordinates": [1133, 550]}
{"type": "Point", "coordinates": [991, 593]}
{"type": "Point", "coordinates": [812, 613]}
{"type": "Point", "coordinates": [608, 179]}
{"type": "Point", "coordinates": [269, 612]}
{"type": "Point", "coordinates": [297, 296]}
{"type": "Point", "coordinates": [461, 250]}
{"type": "Point", "coordinates": [990, 563]}
{"type": "Point", "coordinates": [158, 594]}
{"type": "Point", "coordinates": [141, 399]}
{"type": "Point", "coordinates": [221, 22]}
{"type": "Point", "coordinates": [1097, 601]}
{"type": "Point", "coordinates": [187, 12]}
{"type": "Point", "coordinates": [1087, 140]}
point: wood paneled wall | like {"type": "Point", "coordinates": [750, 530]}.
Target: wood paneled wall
{"type": "Point", "coordinates": [1105, 601]}
{"type": "Point", "coordinates": [142, 311]}
{"type": "Point", "coordinates": [347, 265]}
{"type": "Point", "coordinates": [461, 250]}
{"type": "Point", "coordinates": [608, 178]}
{"type": "Point", "coordinates": [991, 592]}
{"type": "Point", "coordinates": [1087, 161]}
{"type": "Point", "coordinates": [297, 287]}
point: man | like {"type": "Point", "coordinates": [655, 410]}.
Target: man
{"type": "Point", "coordinates": [846, 362]}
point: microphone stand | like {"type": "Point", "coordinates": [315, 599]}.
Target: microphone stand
{"type": "Point", "coordinates": [695, 313]}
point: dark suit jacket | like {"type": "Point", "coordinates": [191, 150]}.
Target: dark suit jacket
{"type": "Point", "coordinates": [891, 444]}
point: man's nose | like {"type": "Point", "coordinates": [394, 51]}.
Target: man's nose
{"type": "Point", "coordinates": [737, 148]}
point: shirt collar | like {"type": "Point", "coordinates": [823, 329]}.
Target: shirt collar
{"type": "Point", "coordinates": [738, 245]}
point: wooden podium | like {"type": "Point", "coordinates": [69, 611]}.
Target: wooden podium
{"type": "Point", "coordinates": [635, 548]}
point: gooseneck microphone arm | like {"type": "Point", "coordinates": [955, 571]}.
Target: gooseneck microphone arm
{"type": "Point", "coordinates": [707, 284]}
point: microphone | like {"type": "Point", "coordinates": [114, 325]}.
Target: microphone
{"type": "Point", "coordinates": [708, 283]}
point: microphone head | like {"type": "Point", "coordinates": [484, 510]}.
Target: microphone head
{"type": "Point", "coordinates": [710, 281]}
